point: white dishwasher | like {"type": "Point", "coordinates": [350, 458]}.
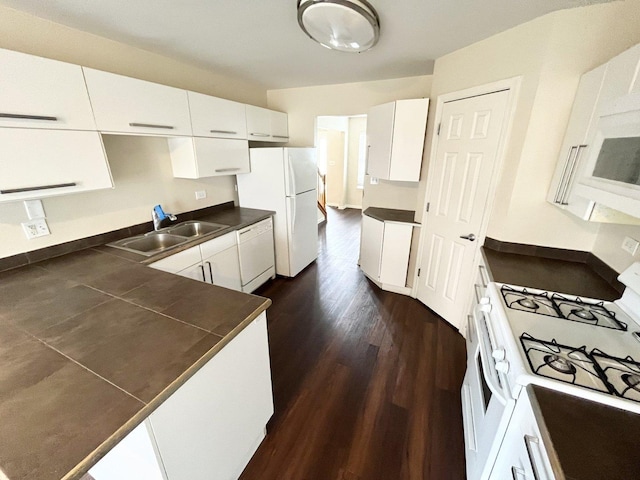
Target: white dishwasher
{"type": "Point", "coordinates": [256, 252]}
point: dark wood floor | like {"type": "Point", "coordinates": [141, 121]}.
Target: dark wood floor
{"type": "Point", "coordinates": [366, 382]}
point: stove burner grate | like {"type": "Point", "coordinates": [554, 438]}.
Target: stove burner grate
{"type": "Point", "coordinates": [623, 374]}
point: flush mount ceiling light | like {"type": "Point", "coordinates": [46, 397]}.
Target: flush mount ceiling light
{"type": "Point", "coordinates": [344, 25]}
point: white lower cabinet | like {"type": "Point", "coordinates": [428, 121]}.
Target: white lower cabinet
{"type": "Point", "coordinates": [384, 251]}
{"type": "Point", "coordinates": [215, 262]}
{"type": "Point", "coordinates": [36, 163]}
{"type": "Point", "coordinates": [210, 427]}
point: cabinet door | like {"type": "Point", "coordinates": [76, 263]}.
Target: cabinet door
{"type": "Point", "coordinates": [44, 163]}
{"type": "Point", "coordinates": [211, 426]}
{"type": "Point", "coordinates": [223, 269]}
{"type": "Point", "coordinates": [371, 246]}
{"type": "Point", "coordinates": [194, 272]}
{"type": "Point", "coordinates": [258, 123]}
{"type": "Point", "coordinates": [179, 261]}
{"type": "Point", "coordinates": [619, 79]}
{"type": "Point", "coordinates": [128, 105]}
{"type": "Point", "coordinates": [379, 139]}
{"type": "Point", "coordinates": [217, 117]}
{"type": "Point", "coordinates": [216, 156]}
{"type": "Point", "coordinates": [409, 127]}
{"type": "Point", "coordinates": [576, 144]}
{"type": "Point", "coordinates": [396, 244]}
{"type": "Point", "coordinates": [37, 92]}
{"type": "Point", "coordinates": [279, 126]}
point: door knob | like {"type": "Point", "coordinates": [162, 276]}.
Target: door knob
{"type": "Point", "coordinates": [471, 237]}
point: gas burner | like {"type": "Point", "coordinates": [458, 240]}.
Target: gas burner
{"type": "Point", "coordinates": [592, 313]}
{"type": "Point", "coordinates": [622, 373]}
{"type": "Point", "coordinates": [526, 301]}
{"type": "Point", "coordinates": [559, 364]}
{"type": "Point", "coordinates": [564, 363]}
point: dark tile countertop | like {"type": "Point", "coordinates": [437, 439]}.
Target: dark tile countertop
{"type": "Point", "coordinates": [589, 440]}
{"type": "Point", "coordinates": [92, 342]}
{"type": "Point", "coordinates": [391, 215]}
{"type": "Point", "coordinates": [557, 275]}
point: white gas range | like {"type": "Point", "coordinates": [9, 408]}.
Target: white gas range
{"type": "Point", "coordinates": [521, 336]}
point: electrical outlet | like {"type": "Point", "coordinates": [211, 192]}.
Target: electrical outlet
{"type": "Point", "coordinates": [630, 245]}
{"type": "Point", "coordinates": [200, 194]}
{"type": "Point", "coordinates": [36, 228]}
{"type": "Point", "coordinates": [373, 180]}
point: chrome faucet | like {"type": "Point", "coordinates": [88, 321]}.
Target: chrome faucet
{"type": "Point", "coordinates": [160, 218]}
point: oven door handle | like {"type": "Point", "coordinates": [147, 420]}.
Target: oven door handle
{"type": "Point", "coordinates": [488, 367]}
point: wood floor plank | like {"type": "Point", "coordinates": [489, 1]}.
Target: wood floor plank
{"type": "Point", "coordinates": [366, 382]}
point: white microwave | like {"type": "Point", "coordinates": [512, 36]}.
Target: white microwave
{"type": "Point", "coordinates": [612, 169]}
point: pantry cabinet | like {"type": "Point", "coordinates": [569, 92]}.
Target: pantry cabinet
{"type": "Point", "coordinates": [384, 251]}
{"type": "Point", "coordinates": [217, 117]}
{"type": "Point", "coordinates": [37, 92]}
{"type": "Point", "coordinates": [131, 106]}
{"type": "Point", "coordinates": [198, 157]}
{"type": "Point", "coordinates": [597, 92]}
{"type": "Point", "coordinates": [215, 261]}
{"type": "Point", "coordinates": [395, 139]}
{"type": "Point", "coordinates": [36, 163]}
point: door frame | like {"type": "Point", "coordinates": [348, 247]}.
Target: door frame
{"type": "Point", "coordinates": [512, 85]}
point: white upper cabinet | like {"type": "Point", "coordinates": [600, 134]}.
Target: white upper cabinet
{"type": "Point", "coordinates": [128, 105]}
{"type": "Point", "coordinates": [395, 135]}
{"type": "Point", "coordinates": [217, 117]}
{"type": "Point", "coordinates": [258, 123]}
{"type": "Point", "coordinates": [37, 92]}
{"type": "Point", "coordinates": [279, 126]}
{"type": "Point", "coordinates": [200, 157]}
{"type": "Point", "coordinates": [39, 163]}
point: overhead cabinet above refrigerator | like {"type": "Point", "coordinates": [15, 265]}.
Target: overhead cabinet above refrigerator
{"type": "Point", "coordinates": [284, 180]}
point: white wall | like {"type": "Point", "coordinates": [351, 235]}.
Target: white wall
{"type": "Point", "coordinates": [140, 165]}
{"type": "Point", "coordinates": [305, 104]}
{"type": "Point", "coordinates": [357, 126]}
{"type": "Point", "coordinates": [550, 54]}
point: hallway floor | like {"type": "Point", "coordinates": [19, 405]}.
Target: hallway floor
{"type": "Point", "coordinates": [366, 382]}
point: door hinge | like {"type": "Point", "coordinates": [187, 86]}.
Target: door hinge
{"type": "Point", "coordinates": [418, 272]}
{"type": "Point", "coordinates": [428, 204]}
{"type": "Point", "coordinates": [438, 132]}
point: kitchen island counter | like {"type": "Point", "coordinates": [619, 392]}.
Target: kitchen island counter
{"type": "Point", "coordinates": [92, 343]}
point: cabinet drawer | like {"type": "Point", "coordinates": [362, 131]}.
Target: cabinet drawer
{"type": "Point", "coordinates": [179, 261]}
{"type": "Point", "coordinates": [217, 244]}
{"type": "Point", "coordinates": [128, 105]}
{"type": "Point", "coordinates": [41, 163]}
{"type": "Point", "coordinates": [217, 117]}
{"type": "Point", "coordinates": [38, 92]}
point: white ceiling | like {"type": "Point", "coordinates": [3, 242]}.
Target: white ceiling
{"type": "Point", "coordinates": [259, 40]}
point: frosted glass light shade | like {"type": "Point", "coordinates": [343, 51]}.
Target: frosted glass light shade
{"type": "Point", "coordinates": [344, 25]}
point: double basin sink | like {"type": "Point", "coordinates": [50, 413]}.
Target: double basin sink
{"type": "Point", "coordinates": [166, 238]}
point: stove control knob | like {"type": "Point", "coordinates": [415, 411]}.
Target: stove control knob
{"type": "Point", "coordinates": [498, 354]}
{"type": "Point", "coordinates": [502, 366]}
{"type": "Point", "coordinates": [485, 305]}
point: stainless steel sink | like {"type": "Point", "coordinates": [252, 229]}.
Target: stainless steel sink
{"type": "Point", "coordinates": [150, 244]}
{"type": "Point", "coordinates": [194, 228]}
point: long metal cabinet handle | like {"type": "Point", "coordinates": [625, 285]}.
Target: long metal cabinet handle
{"type": "Point", "coordinates": [210, 271]}
{"type": "Point", "coordinates": [528, 441]}
{"type": "Point", "coordinates": [204, 279]}
{"type": "Point", "coordinates": [470, 332]}
{"type": "Point", "coordinates": [572, 173]}
{"type": "Point", "coordinates": [28, 117]}
{"type": "Point", "coordinates": [39, 187]}
{"type": "Point", "coordinates": [227, 169]}
{"type": "Point", "coordinates": [257, 134]}
{"type": "Point", "coordinates": [151, 125]}
{"type": "Point", "coordinates": [228, 132]}
{"type": "Point", "coordinates": [280, 136]}
{"type": "Point", "coordinates": [562, 184]}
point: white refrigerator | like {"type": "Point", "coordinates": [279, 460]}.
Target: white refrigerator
{"type": "Point", "coordinates": [285, 180]}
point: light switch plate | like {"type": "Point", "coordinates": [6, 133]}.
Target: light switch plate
{"type": "Point", "coordinates": [36, 228]}
{"type": "Point", "coordinates": [34, 209]}
{"type": "Point", "coordinates": [200, 194]}
{"type": "Point", "coordinates": [630, 245]}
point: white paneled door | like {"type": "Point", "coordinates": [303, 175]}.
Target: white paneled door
{"type": "Point", "coordinates": [460, 176]}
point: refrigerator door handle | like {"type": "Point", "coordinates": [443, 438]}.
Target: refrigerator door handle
{"type": "Point", "coordinates": [292, 177]}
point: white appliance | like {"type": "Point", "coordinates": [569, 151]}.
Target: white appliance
{"type": "Point", "coordinates": [584, 347]}
{"type": "Point", "coordinates": [284, 180]}
{"type": "Point", "coordinates": [255, 252]}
